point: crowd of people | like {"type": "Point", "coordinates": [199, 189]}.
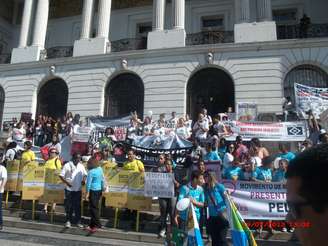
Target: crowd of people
{"type": "Point", "coordinates": [236, 160]}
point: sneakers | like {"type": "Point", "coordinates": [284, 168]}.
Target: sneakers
{"type": "Point", "coordinates": [68, 224]}
{"type": "Point", "coordinates": [162, 233]}
{"type": "Point", "coordinates": [79, 225]}
{"type": "Point", "coordinates": [284, 229]}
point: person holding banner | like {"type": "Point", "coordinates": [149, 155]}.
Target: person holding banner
{"type": "Point", "coordinates": [3, 181]}
{"type": "Point", "coordinates": [195, 193]}
{"type": "Point", "coordinates": [211, 153]}
{"type": "Point", "coordinates": [285, 153]}
{"type": "Point", "coordinates": [264, 173]}
{"type": "Point", "coordinates": [53, 163]}
{"type": "Point", "coordinates": [166, 205]}
{"type": "Point", "coordinates": [200, 129]}
{"type": "Point", "coordinates": [132, 164]}
{"type": "Point", "coordinates": [215, 195]}
{"type": "Point", "coordinates": [73, 175]}
{"type": "Point", "coordinates": [233, 172]}
{"type": "Point", "coordinates": [94, 188]}
{"type": "Point", "coordinates": [28, 155]}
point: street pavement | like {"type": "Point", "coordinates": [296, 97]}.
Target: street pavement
{"type": "Point", "coordinates": [25, 237]}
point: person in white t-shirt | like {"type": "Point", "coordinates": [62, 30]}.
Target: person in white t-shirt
{"type": "Point", "coordinates": [73, 175]}
{"type": "Point", "coordinates": [18, 133]}
{"type": "Point", "coordinates": [228, 157]}
{"type": "Point", "coordinates": [3, 181]}
{"type": "Point", "coordinates": [200, 129]}
{"type": "Point", "coordinates": [174, 120]}
{"type": "Point", "coordinates": [182, 131]}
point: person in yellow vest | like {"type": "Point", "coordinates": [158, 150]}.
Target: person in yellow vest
{"type": "Point", "coordinates": [132, 164]}
{"type": "Point", "coordinates": [53, 163]}
{"type": "Point", "coordinates": [28, 155]}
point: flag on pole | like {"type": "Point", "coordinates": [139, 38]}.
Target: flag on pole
{"type": "Point", "coordinates": [240, 233]}
{"type": "Point", "coordinates": [194, 237]}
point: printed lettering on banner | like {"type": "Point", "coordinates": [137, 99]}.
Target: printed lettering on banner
{"type": "Point", "coordinates": [136, 196]}
{"type": "Point", "coordinates": [117, 195]}
{"type": "Point", "coordinates": [12, 170]}
{"type": "Point", "coordinates": [54, 187]}
{"type": "Point", "coordinates": [81, 134]}
{"type": "Point", "coordinates": [33, 181]}
{"type": "Point", "coordinates": [261, 201]}
{"type": "Point", "coordinates": [159, 185]}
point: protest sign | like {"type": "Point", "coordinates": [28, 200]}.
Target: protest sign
{"type": "Point", "coordinates": [21, 173]}
{"type": "Point", "coordinates": [53, 188]}
{"type": "Point", "coordinates": [136, 193]}
{"type": "Point", "coordinates": [159, 185]}
{"type": "Point", "coordinates": [81, 134]}
{"type": "Point", "coordinates": [117, 195]}
{"type": "Point", "coordinates": [266, 131]}
{"type": "Point", "coordinates": [262, 201]}
{"type": "Point", "coordinates": [311, 98]}
{"type": "Point", "coordinates": [33, 181]}
{"type": "Point", "coordinates": [12, 170]}
{"type": "Point", "coordinates": [246, 111]}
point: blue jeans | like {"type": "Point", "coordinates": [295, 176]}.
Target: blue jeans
{"type": "Point", "coordinates": [1, 220]}
{"type": "Point", "coordinates": [73, 205]}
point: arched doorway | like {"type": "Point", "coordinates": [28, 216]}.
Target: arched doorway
{"type": "Point", "coordinates": [306, 75]}
{"type": "Point", "coordinates": [2, 103]}
{"type": "Point", "coordinates": [124, 94]}
{"type": "Point", "coordinates": [52, 98]}
{"type": "Point", "coordinates": [211, 88]}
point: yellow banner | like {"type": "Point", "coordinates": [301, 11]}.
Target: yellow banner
{"type": "Point", "coordinates": [126, 190]}
{"type": "Point", "coordinates": [54, 187]}
{"type": "Point", "coordinates": [33, 181]}
{"type": "Point", "coordinates": [12, 170]}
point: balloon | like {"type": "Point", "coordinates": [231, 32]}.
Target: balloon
{"type": "Point", "coordinates": [183, 204]}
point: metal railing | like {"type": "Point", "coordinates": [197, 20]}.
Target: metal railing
{"type": "Point", "coordinates": [129, 44]}
{"type": "Point", "coordinates": [296, 31]}
{"type": "Point", "coordinates": [210, 37]}
{"type": "Point", "coordinates": [59, 51]}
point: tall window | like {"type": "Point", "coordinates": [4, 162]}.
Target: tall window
{"type": "Point", "coordinates": [212, 23]}
{"type": "Point", "coordinates": [306, 75]}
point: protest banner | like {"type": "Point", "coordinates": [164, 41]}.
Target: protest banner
{"type": "Point", "coordinates": [12, 170]}
{"type": "Point", "coordinates": [159, 185]}
{"type": "Point", "coordinates": [246, 111]}
{"type": "Point", "coordinates": [81, 134]}
{"type": "Point", "coordinates": [53, 187]}
{"type": "Point", "coordinates": [266, 131]}
{"type": "Point", "coordinates": [324, 119]}
{"type": "Point", "coordinates": [261, 201]}
{"type": "Point", "coordinates": [136, 193]}
{"type": "Point", "coordinates": [311, 98]}
{"type": "Point", "coordinates": [117, 195]}
{"type": "Point", "coordinates": [33, 181]}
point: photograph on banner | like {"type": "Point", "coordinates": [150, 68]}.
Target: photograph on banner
{"type": "Point", "coordinates": [262, 201]}
{"type": "Point", "coordinates": [53, 187]}
{"type": "Point", "coordinates": [246, 111]}
{"type": "Point", "coordinates": [267, 131]}
{"type": "Point", "coordinates": [117, 195]}
{"type": "Point", "coordinates": [136, 193]}
{"type": "Point", "coordinates": [311, 98]}
{"type": "Point", "coordinates": [159, 185]}
{"type": "Point", "coordinates": [12, 170]}
{"type": "Point", "coordinates": [33, 181]}
{"type": "Point", "coordinates": [211, 167]}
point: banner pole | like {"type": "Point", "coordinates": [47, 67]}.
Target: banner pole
{"type": "Point", "coordinates": [6, 204]}
{"type": "Point", "coordinates": [137, 222]}
{"type": "Point", "coordinates": [116, 217]}
{"type": "Point", "coordinates": [33, 209]}
{"type": "Point", "coordinates": [100, 205]}
{"type": "Point", "coordinates": [52, 214]}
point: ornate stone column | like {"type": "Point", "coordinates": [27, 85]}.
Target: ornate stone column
{"type": "Point", "coordinates": [242, 11]}
{"type": "Point", "coordinates": [41, 22]}
{"type": "Point", "coordinates": [104, 18]}
{"type": "Point", "coordinates": [158, 15]}
{"type": "Point", "coordinates": [26, 22]}
{"type": "Point", "coordinates": [264, 10]}
{"type": "Point", "coordinates": [87, 15]}
{"type": "Point", "coordinates": [178, 14]}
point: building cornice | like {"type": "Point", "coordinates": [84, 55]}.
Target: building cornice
{"type": "Point", "coordinates": [139, 54]}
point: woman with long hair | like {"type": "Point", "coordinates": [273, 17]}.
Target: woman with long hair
{"type": "Point", "coordinates": [217, 218]}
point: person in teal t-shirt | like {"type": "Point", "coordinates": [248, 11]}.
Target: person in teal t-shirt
{"type": "Point", "coordinates": [279, 174]}
{"type": "Point", "coordinates": [264, 173]}
{"type": "Point", "coordinates": [285, 153]}
{"type": "Point", "coordinates": [211, 154]}
{"type": "Point", "coordinates": [232, 172]}
{"type": "Point", "coordinates": [196, 194]}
